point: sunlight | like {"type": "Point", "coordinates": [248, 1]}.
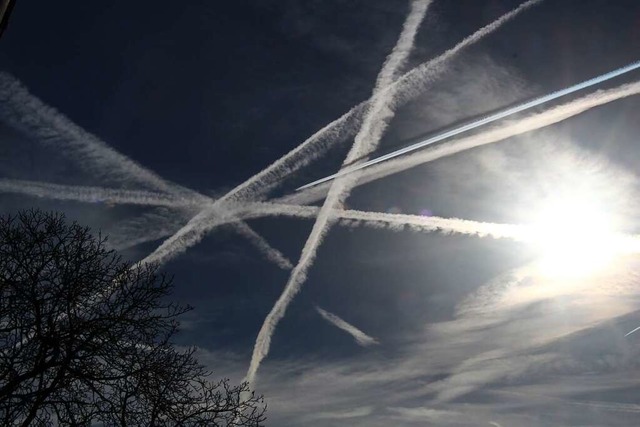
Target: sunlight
{"type": "Point", "coordinates": [575, 237]}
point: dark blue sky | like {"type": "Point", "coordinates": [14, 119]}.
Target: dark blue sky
{"type": "Point", "coordinates": [206, 94]}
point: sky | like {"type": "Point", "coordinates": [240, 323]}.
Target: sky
{"type": "Point", "coordinates": [490, 279]}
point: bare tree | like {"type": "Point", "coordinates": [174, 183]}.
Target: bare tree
{"type": "Point", "coordinates": [85, 338]}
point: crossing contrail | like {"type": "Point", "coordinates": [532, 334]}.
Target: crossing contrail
{"type": "Point", "coordinates": [206, 221]}
{"type": "Point", "coordinates": [495, 134]}
{"type": "Point", "coordinates": [393, 222]}
{"type": "Point", "coordinates": [481, 122]}
{"type": "Point", "coordinates": [339, 191]}
{"type": "Point", "coordinates": [410, 85]}
{"type": "Point", "coordinates": [360, 337]}
{"type": "Point", "coordinates": [407, 87]}
{"type": "Point", "coordinates": [27, 113]}
{"type": "Point", "coordinates": [380, 110]}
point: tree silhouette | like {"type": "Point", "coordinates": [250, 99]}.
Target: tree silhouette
{"type": "Point", "coordinates": [85, 338]}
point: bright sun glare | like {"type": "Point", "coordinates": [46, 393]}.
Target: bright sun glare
{"type": "Point", "coordinates": [575, 237]}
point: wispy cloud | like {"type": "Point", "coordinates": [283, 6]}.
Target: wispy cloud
{"type": "Point", "coordinates": [360, 337]}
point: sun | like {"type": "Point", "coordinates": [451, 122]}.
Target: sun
{"type": "Point", "coordinates": [575, 237]}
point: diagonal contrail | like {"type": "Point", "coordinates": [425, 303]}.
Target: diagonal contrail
{"type": "Point", "coordinates": [364, 142]}
{"type": "Point", "coordinates": [635, 330]}
{"type": "Point", "coordinates": [27, 113]}
{"type": "Point", "coordinates": [478, 123]}
{"type": "Point", "coordinates": [409, 86]}
{"type": "Point", "coordinates": [498, 133]}
{"type": "Point", "coordinates": [360, 337]}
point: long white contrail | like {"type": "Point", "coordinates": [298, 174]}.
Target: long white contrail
{"type": "Point", "coordinates": [478, 123]}
{"type": "Point", "coordinates": [393, 222]}
{"type": "Point", "coordinates": [348, 218]}
{"type": "Point", "coordinates": [380, 110]}
{"type": "Point", "coordinates": [406, 88]}
{"type": "Point", "coordinates": [409, 86]}
{"type": "Point", "coordinates": [338, 192]}
{"type": "Point", "coordinates": [498, 133]}
{"type": "Point", "coordinates": [360, 337]}
{"type": "Point", "coordinates": [91, 194]}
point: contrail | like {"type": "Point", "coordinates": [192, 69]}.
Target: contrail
{"type": "Point", "coordinates": [27, 113]}
{"type": "Point", "coordinates": [499, 133]}
{"type": "Point", "coordinates": [380, 110]}
{"type": "Point", "coordinates": [629, 333]}
{"type": "Point", "coordinates": [409, 86]}
{"type": "Point", "coordinates": [481, 122]}
{"type": "Point", "coordinates": [90, 194]}
{"type": "Point", "coordinates": [361, 338]}
{"type": "Point", "coordinates": [393, 222]}
{"type": "Point", "coordinates": [406, 88]}
{"type": "Point", "coordinates": [338, 192]}
{"type": "Point", "coordinates": [147, 227]}
{"type": "Point", "coordinates": [258, 241]}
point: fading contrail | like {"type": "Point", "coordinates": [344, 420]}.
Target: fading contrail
{"type": "Point", "coordinates": [409, 86]}
{"type": "Point", "coordinates": [148, 227]}
{"type": "Point", "coordinates": [259, 242]}
{"type": "Point", "coordinates": [360, 337]}
{"type": "Point", "coordinates": [91, 194]}
{"type": "Point", "coordinates": [481, 122]}
{"type": "Point", "coordinates": [27, 113]}
{"type": "Point", "coordinates": [498, 133]}
{"type": "Point", "coordinates": [338, 192]}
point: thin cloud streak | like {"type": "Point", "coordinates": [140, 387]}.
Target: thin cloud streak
{"type": "Point", "coordinates": [360, 337]}
{"type": "Point", "coordinates": [338, 193]}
